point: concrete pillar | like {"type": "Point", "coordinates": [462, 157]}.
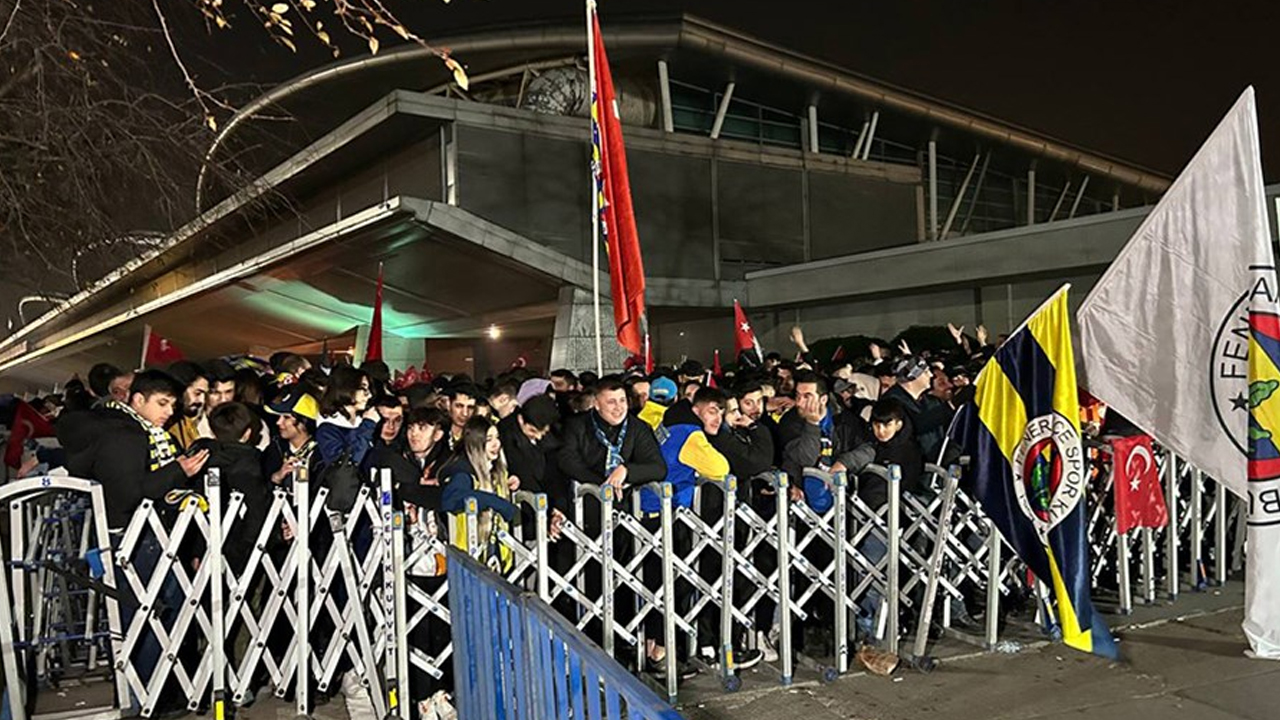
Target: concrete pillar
{"type": "Point", "coordinates": [573, 344]}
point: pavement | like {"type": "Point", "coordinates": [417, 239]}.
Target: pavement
{"type": "Point", "coordinates": [1180, 660]}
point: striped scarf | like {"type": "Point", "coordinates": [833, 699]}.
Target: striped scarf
{"type": "Point", "coordinates": [614, 458]}
{"type": "Point", "coordinates": [159, 442]}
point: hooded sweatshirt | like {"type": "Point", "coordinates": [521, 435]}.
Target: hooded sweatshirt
{"type": "Point", "coordinates": [688, 454]}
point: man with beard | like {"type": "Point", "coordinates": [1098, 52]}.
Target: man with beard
{"type": "Point", "coordinates": [185, 425]}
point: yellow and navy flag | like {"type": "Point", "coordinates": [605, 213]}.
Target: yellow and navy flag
{"type": "Point", "coordinates": [1028, 468]}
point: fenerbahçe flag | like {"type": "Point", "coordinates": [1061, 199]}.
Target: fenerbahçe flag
{"type": "Point", "coordinates": [1029, 471]}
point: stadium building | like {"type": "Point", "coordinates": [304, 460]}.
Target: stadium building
{"type": "Point", "coordinates": [809, 192]}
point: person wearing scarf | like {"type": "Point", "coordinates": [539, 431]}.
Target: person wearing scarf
{"type": "Point", "coordinates": [134, 457]}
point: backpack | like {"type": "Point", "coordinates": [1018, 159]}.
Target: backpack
{"type": "Point", "coordinates": [342, 479]}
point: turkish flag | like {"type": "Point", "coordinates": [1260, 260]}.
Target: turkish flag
{"type": "Point", "coordinates": [744, 338]}
{"type": "Point", "coordinates": [1139, 498]}
{"type": "Point", "coordinates": [158, 351]}
{"type": "Point", "coordinates": [613, 199]}
{"type": "Point", "coordinates": [27, 424]}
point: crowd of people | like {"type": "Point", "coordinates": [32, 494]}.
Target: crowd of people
{"type": "Point", "coordinates": [152, 434]}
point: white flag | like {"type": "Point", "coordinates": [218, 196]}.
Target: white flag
{"type": "Point", "coordinates": [1181, 336]}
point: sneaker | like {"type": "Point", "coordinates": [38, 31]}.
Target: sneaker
{"type": "Point", "coordinates": [747, 658]}
{"type": "Point", "coordinates": [684, 669]}
{"type": "Point", "coordinates": [441, 703]}
{"type": "Point", "coordinates": [768, 651]}
{"type": "Point", "coordinates": [743, 659]}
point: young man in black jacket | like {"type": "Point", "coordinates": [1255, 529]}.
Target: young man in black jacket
{"type": "Point", "coordinates": [748, 445]}
{"type": "Point", "coordinates": [608, 445]}
{"type": "Point", "coordinates": [414, 465]}
{"type": "Point", "coordinates": [134, 459]}
{"type": "Point", "coordinates": [132, 456]}
{"type": "Point", "coordinates": [234, 453]}
{"type": "Point", "coordinates": [528, 445]}
{"type": "Point", "coordinates": [926, 416]}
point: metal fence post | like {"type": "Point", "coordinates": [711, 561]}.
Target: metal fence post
{"type": "Point", "coordinates": [607, 568]}
{"type": "Point", "coordinates": [302, 598]}
{"type": "Point", "coordinates": [783, 522]}
{"type": "Point", "coordinates": [390, 612]}
{"type": "Point", "coordinates": [842, 604]}
{"type": "Point", "coordinates": [541, 538]}
{"type": "Point", "coordinates": [15, 683]}
{"type": "Point", "coordinates": [473, 528]}
{"type": "Point", "coordinates": [1198, 575]}
{"type": "Point", "coordinates": [993, 584]}
{"type": "Point", "coordinates": [401, 607]}
{"type": "Point", "coordinates": [1122, 569]}
{"type": "Point", "coordinates": [669, 609]}
{"type": "Point", "coordinates": [217, 580]}
{"type": "Point", "coordinates": [891, 576]}
{"type": "Point", "coordinates": [949, 490]}
{"type": "Point", "coordinates": [727, 570]}
{"type": "Point", "coordinates": [1148, 565]}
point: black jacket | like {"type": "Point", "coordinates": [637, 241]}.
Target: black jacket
{"type": "Point", "coordinates": [240, 470]}
{"type": "Point", "coordinates": [77, 432]}
{"type": "Point", "coordinates": [582, 456]}
{"type": "Point", "coordinates": [748, 449]}
{"type": "Point", "coordinates": [274, 456]}
{"type": "Point", "coordinates": [406, 474]}
{"type": "Point", "coordinates": [927, 418]}
{"type": "Point", "coordinates": [534, 464]}
{"type": "Point", "coordinates": [120, 459]}
{"type": "Point", "coordinates": [802, 441]}
{"type": "Point", "coordinates": [901, 450]}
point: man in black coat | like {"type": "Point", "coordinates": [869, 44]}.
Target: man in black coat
{"type": "Point", "coordinates": [233, 452]}
{"type": "Point", "coordinates": [813, 434]}
{"type": "Point", "coordinates": [414, 463]}
{"type": "Point", "coordinates": [530, 449]}
{"type": "Point", "coordinates": [608, 445]}
{"type": "Point", "coordinates": [131, 455]}
{"type": "Point", "coordinates": [927, 417]}
{"type": "Point", "coordinates": [745, 443]}
{"type": "Point", "coordinates": [133, 458]}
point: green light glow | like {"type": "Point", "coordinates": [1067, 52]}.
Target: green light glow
{"type": "Point", "coordinates": [299, 303]}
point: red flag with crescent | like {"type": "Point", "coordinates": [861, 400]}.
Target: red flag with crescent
{"type": "Point", "coordinates": [1139, 498]}
{"type": "Point", "coordinates": [27, 424]}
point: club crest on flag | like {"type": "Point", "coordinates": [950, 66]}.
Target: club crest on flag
{"type": "Point", "coordinates": [1048, 471]}
{"type": "Point", "coordinates": [1247, 348]}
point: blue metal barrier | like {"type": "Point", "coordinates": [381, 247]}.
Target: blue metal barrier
{"type": "Point", "coordinates": [516, 658]}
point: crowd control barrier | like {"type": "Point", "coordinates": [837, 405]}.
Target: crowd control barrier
{"type": "Point", "coordinates": [193, 600]}
{"type": "Point", "coordinates": [516, 657]}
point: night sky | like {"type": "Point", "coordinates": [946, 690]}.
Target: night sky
{"type": "Point", "coordinates": [1141, 80]}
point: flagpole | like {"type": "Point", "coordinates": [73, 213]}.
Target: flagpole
{"type": "Point", "coordinates": [595, 189]}
{"type": "Point", "coordinates": [146, 341]}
